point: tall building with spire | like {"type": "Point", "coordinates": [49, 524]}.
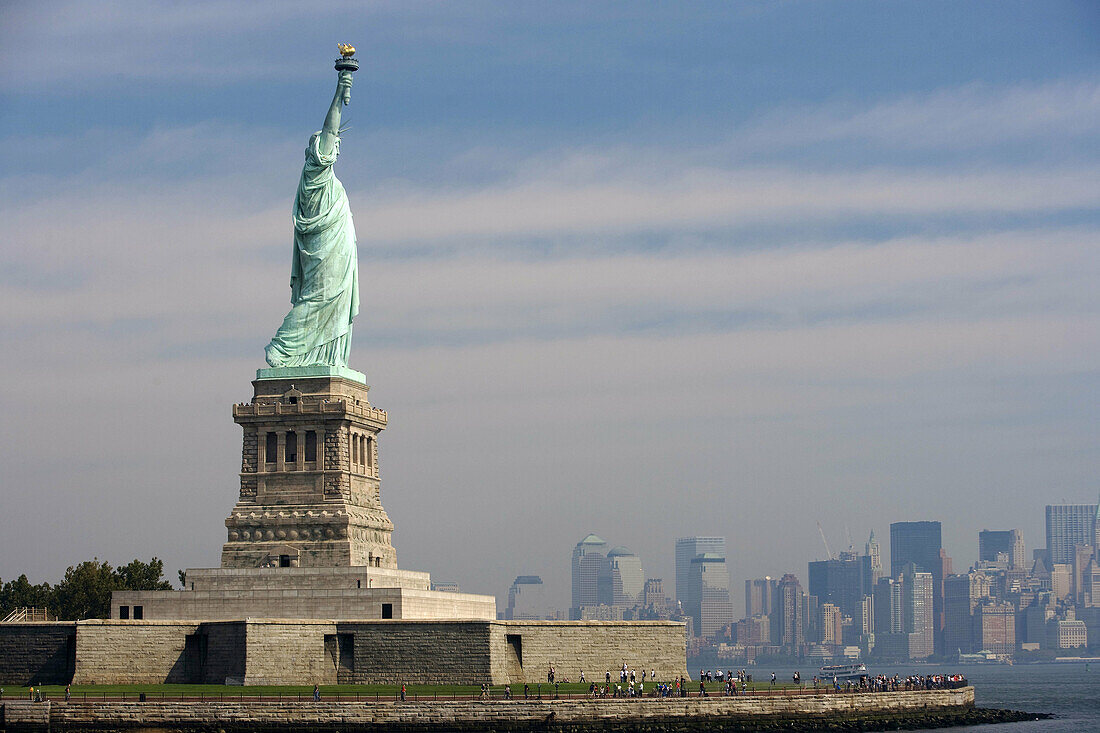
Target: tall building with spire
{"type": "Point", "coordinates": [874, 552]}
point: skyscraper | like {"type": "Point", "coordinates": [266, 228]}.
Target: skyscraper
{"type": "Point", "coordinates": [710, 585]}
{"type": "Point", "coordinates": [874, 552]}
{"type": "Point", "coordinates": [963, 594]}
{"type": "Point", "coordinates": [688, 548]}
{"type": "Point", "coordinates": [917, 590]}
{"type": "Point", "coordinates": [840, 582]}
{"type": "Point", "coordinates": [1009, 541]}
{"type": "Point", "coordinates": [788, 610]}
{"type": "Point", "coordinates": [527, 599]}
{"type": "Point", "coordinates": [588, 559]}
{"type": "Point", "coordinates": [653, 595]}
{"type": "Point", "coordinates": [920, 543]}
{"type": "Point", "coordinates": [621, 579]}
{"type": "Point", "coordinates": [1069, 525]}
{"type": "Point", "coordinates": [759, 596]}
{"type": "Point", "coordinates": [831, 624]}
{"type": "Point", "coordinates": [996, 627]}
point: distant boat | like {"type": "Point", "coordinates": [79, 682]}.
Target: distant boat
{"type": "Point", "coordinates": [844, 671]}
{"type": "Point", "coordinates": [984, 657]}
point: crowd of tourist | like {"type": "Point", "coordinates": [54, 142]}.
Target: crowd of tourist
{"type": "Point", "coordinates": [632, 683]}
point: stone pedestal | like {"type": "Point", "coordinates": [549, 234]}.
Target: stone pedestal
{"type": "Point", "coordinates": [310, 493]}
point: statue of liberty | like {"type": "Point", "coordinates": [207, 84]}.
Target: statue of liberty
{"type": "Point", "coordinates": [324, 276]}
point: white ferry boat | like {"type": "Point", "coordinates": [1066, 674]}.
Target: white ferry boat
{"type": "Point", "coordinates": [844, 671]}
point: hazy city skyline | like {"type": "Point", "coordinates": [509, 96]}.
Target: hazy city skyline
{"type": "Point", "coordinates": [644, 271]}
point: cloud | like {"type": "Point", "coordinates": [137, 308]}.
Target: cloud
{"type": "Point", "coordinates": [715, 198]}
{"type": "Point", "coordinates": [615, 334]}
{"type": "Point", "coordinates": [967, 117]}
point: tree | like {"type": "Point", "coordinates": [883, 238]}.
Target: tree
{"type": "Point", "coordinates": [85, 591]}
{"type": "Point", "coordinates": [18, 593]}
{"type": "Point", "coordinates": [139, 575]}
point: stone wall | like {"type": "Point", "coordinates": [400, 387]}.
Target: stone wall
{"type": "Point", "coordinates": [133, 652]}
{"type": "Point", "coordinates": [223, 653]}
{"type": "Point", "coordinates": [439, 652]}
{"type": "Point", "coordinates": [717, 713]}
{"type": "Point", "coordinates": [288, 652]}
{"type": "Point", "coordinates": [305, 651]}
{"type": "Point", "coordinates": [594, 647]}
{"type": "Point", "coordinates": [37, 653]}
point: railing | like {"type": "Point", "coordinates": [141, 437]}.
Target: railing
{"type": "Point", "coordinates": [308, 408]}
{"type": "Point", "coordinates": [27, 613]}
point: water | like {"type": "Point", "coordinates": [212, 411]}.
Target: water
{"type": "Point", "coordinates": [1066, 690]}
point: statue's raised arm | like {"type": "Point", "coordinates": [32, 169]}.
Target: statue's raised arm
{"type": "Point", "coordinates": [324, 273]}
{"type": "Point", "coordinates": [331, 130]}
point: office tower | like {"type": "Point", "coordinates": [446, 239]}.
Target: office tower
{"type": "Point", "coordinates": [830, 624]}
{"type": "Point", "coordinates": [958, 609]}
{"type": "Point", "coordinates": [753, 631]}
{"type": "Point", "coordinates": [1061, 581]}
{"type": "Point", "coordinates": [920, 543]}
{"type": "Point", "coordinates": [1009, 541]}
{"type": "Point", "coordinates": [709, 593]}
{"type": "Point", "coordinates": [865, 621]}
{"type": "Point", "coordinates": [1082, 556]}
{"type": "Point", "coordinates": [759, 595]}
{"type": "Point", "coordinates": [621, 579]}
{"type": "Point", "coordinates": [527, 599]}
{"type": "Point", "coordinates": [1069, 525]}
{"type": "Point", "coordinates": [840, 582]}
{"type": "Point", "coordinates": [788, 613]}
{"type": "Point", "coordinates": [997, 627]}
{"type": "Point", "coordinates": [874, 556]}
{"type": "Point", "coordinates": [918, 611]}
{"type": "Point", "coordinates": [962, 594]}
{"type": "Point", "coordinates": [1091, 597]}
{"type": "Point", "coordinates": [688, 548]}
{"type": "Point", "coordinates": [588, 559]}
{"type": "Point", "coordinates": [891, 643]}
{"type": "Point", "coordinates": [653, 594]}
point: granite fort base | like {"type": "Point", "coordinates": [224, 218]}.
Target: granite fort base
{"type": "Point", "coordinates": [313, 651]}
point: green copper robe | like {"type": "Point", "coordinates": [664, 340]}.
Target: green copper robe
{"type": "Point", "coordinates": [324, 273]}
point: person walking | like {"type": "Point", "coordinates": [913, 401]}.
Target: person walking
{"type": "Point", "coordinates": [316, 694]}
{"type": "Point", "coordinates": [402, 692]}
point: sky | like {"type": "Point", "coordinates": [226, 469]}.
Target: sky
{"type": "Point", "coordinates": [643, 269]}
